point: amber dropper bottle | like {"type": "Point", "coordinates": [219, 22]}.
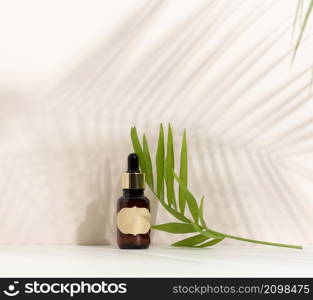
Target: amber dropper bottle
{"type": "Point", "coordinates": [133, 209]}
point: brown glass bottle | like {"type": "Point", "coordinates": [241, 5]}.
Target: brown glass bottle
{"type": "Point", "coordinates": [133, 209]}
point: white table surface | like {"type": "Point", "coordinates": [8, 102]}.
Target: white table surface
{"type": "Point", "coordinates": [106, 261]}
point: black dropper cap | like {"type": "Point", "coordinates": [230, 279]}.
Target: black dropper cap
{"type": "Point", "coordinates": [133, 178]}
{"type": "Point", "coordinates": [133, 163]}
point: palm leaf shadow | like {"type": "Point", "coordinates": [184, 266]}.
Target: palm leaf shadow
{"type": "Point", "coordinates": [161, 86]}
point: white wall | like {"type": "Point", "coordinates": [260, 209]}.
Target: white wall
{"type": "Point", "coordinates": [75, 75]}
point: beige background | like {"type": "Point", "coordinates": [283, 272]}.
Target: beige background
{"type": "Point", "coordinates": [75, 75]}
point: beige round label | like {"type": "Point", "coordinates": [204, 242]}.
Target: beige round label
{"type": "Point", "coordinates": [134, 220]}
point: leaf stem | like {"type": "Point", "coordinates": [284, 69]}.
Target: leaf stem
{"type": "Point", "coordinates": [261, 242]}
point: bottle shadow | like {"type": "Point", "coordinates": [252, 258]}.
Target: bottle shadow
{"type": "Point", "coordinates": [93, 230]}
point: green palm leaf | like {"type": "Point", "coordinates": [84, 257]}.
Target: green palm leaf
{"type": "Point", "coordinates": [207, 232]}
{"type": "Point", "coordinates": [159, 159]}
{"type": "Point", "coordinates": [175, 213]}
{"type": "Point", "coordinates": [191, 241]}
{"type": "Point", "coordinates": [210, 243]}
{"type": "Point", "coordinates": [137, 148]}
{"type": "Point", "coordinates": [190, 199]}
{"type": "Point", "coordinates": [165, 172]}
{"type": "Point", "coordinates": [183, 174]}
{"type": "Point", "coordinates": [148, 163]}
{"type": "Point", "coordinates": [202, 221]}
{"type": "Point", "coordinates": [169, 166]}
{"type": "Point", "coordinates": [175, 227]}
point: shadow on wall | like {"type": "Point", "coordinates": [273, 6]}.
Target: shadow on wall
{"type": "Point", "coordinates": [97, 221]}
{"type": "Point", "coordinates": [76, 143]}
{"type": "Point", "coordinates": [14, 103]}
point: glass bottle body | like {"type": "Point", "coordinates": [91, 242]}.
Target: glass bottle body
{"type": "Point", "coordinates": [132, 198]}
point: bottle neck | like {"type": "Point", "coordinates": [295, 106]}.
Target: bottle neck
{"type": "Point", "coordinates": [133, 192]}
